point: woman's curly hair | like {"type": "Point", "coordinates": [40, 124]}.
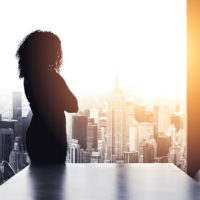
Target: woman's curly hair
{"type": "Point", "coordinates": [39, 49]}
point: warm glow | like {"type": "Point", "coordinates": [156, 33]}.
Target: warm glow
{"type": "Point", "coordinates": [145, 39]}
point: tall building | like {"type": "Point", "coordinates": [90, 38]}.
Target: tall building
{"type": "Point", "coordinates": [17, 157]}
{"type": "Point", "coordinates": [79, 130]}
{"type": "Point", "coordinates": [102, 125]}
{"type": "Point", "coordinates": [6, 143]}
{"type": "Point", "coordinates": [101, 149]}
{"type": "Point", "coordinates": [17, 105]}
{"type": "Point", "coordinates": [139, 111]}
{"type": "Point", "coordinates": [74, 152]}
{"type": "Point", "coordinates": [20, 128]}
{"type": "Point", "coordinates": [1, 173]}
{"type": "Point", "coordinates": [116, 141]}
{"type": "Point", "coordinates": [133, 136]}
{"type": "Point", "coordinates": [83, 156]}
{"type": "Point", "coordinates": [148, 153]}
{"type": "Point", "coordinates": [69, 126]}
{"type": "Point", "coordinates": [164, 118]}
{"type": "Point", "coordinates": [155, 120]}
{"type": "Point", "coordinates": [91, 135]}
{"type": "Point", "coordinates": [163, 142]}
{"type": "Point", "coordinates": [129, 118]}
{"type": "Point", "coordinates": [149, 116]}
{"type": "Point", "coordinates": [176, 120]}
{"type": "Point", "coordinates": [145, 131]}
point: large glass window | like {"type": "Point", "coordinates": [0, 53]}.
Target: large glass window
{"type": "Point", "coordinates": [126, 63]}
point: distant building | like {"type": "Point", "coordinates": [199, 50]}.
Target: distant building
{"type": "Point", "coordinates": [17, 157]}
{"type": "Point", "coordinates": [148, 153]}
{"type": "Point", "coordinates": [139, 111]}
{"type": "Point", "coordinates": [6, 124]}
{"type": "Point", "coordinates": [129, 118]}
{"type": "Point", "coordinates": [145, 131]}
{"type": "Point", "coordinates": [164, 118]}
{"type": "Point", "coordinates": [149, 116]}
{"type": "Point", "coordinates": [178, 108]}
{"type": "Point", "coordinates": [116, 142]}
{"type": "Point", "coordinates": [86, 113]}
{"type": "Point", "coordinates": [102, 125]}
{"type": "Point", "coordinates": [95, 157]}
{"type": "Point", "coordinates": [83, 156]}
{"type": "Point", "coordinates": [176, 121]}
{"type": "Point", "coordinates": [17, 105]}
{"type": "Point", "coordinates": [79, 130]}
{"type": "Point", "coordinates": [6, 143]}
{"type": "Point", "coordinates": [163, 142]}
{"type": "Point", "coordinates": [21, 127]}
{"type": "Point", "coordinates": [91, 135]}
{"type": "Point", "coordinates": [101, 149]}
{"type": "Point", "coordinates": [155, 120]}
{"type": "Point", "coordinates": [133, 137]}
{"type": "Point", "coordinates": [87, 156]}
{"type": "Point", "coordinates": [131, 157]}
{"type": "Point", "coordinates": [74, 152]}
{"type": "Point", "coordinates": [1, 173]}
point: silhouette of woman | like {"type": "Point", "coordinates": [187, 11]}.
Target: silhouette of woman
{"type": "Point", "coordinates": [39, 60]}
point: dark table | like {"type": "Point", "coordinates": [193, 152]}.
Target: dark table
{"type": "Point", "coordinates": [101, 181]}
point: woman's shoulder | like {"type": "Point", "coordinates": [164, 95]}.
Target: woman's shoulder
{"type": "Point", "coordinates": [59, 81]}
{"type": "Point", "coordinates": [59, 78]}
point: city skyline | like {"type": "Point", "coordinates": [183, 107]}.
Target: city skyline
{"type": "Point", "coordinates": [120, 131]}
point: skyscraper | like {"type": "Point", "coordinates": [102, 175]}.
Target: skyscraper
{"type": "Point", "coordinates": [145, 131]}
{"type": "Point", "coordinates": [176, 120]}
{"type": "Point", "coordinates": [6, 143]}
{"type": "Point", "coordinates": [17, 105]}
{"type": "Point", "coordinates": [91, 135]}
{"type": "Point", "coordinates": [148, 153]}
{"type": "Point", "coordinates": [133, 137]}
{"type": "Point", "coordinates": [102, 125]}
{"type": "Point", "coordinates": [79, 130]}
{"type": "Point", "coordinates": [116, 137]}
{"type": "Point", "coordinates": [74, 152]}
{"type": "Point", "coordinates": [139, 111]}
{"type": "Point", "coordinates": [164, 142]}
{"type": "Point", "coordinates": [101, 149]}
{"type": "Point", "coordinates": [129, 118]}
{"type": "Point", "coordinates": [147, 150]}
{"type": "Point", "coordinates": [17, 157]}
{"type": "Point", "coordinates": [155, 120]}
{"type": "Point", "coordinates": [20, 128]}
{"type": "Point", "coordinates": [164, 118]}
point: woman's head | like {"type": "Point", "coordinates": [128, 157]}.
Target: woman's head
{"type": "Point", "coordinates": [40, 50]}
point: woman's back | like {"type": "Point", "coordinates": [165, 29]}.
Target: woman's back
{"type": "Point", "coordinates": [48, 96]}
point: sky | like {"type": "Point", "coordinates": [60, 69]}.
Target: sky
{"type": "Point", "coordinates": [145, 41]}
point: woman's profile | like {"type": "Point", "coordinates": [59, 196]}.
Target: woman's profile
{"type": "Point", "coordinates": [39, 60]}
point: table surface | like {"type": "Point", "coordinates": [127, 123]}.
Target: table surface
{"type": "Point", "coordinates": [101, 181]}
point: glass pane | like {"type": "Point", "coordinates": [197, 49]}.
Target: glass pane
{"type": "Point", "coordinates": [125, 62]}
